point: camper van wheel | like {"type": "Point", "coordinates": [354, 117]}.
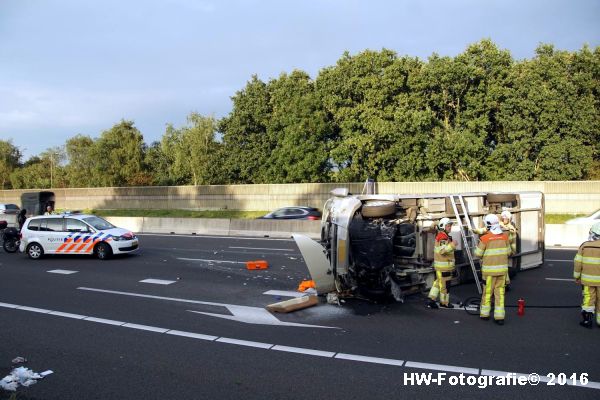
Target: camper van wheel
{"type": "Point", "coordinates": [515, 267]}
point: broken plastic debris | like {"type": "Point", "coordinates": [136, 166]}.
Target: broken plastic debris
{"type": "Point", "coordinates": [21, 376]}
{"type": "Point", "coordinates": [306, 285]}
{"type": "Point", "coordinates": [293, 304]}
{"type": "Point", "coordinates": [18, 360]}
{"type": "Point", "coordinates": [332, 298]}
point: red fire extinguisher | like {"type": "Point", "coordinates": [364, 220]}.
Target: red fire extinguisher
{"type": "Point", "coordinates": [521, 307]}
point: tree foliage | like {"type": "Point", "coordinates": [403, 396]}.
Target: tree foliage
{"type": "Point", "coordinates": [480, 115]}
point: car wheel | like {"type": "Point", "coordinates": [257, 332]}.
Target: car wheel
{"type": "Point", "coordinates": [378, 208]}
{"type": "Point", "coordinates": [103, 251]}
{"type": "Point", "coordinates": [35, 251]}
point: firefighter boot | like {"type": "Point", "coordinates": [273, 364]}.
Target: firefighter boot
{"type": "Point", "coordinates": [432, 304]}
{"type": "Point", "coordinates": [587, 319]}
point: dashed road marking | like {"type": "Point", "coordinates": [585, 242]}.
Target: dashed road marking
{"type": "Point", "coordinates": [62, 271]}
{"type": "Point", "coordinates": [561, 279]}
{"type": "Point", "coordinates": [217, 237]}
{"type": "Point", "coordinates": [157, 281]}
{"type": "Point", "coordinates": [258, 248]}
{"type": "Point", "coordinates": [215, 261]}
{"type": "Point", "coordinates": [284, 293]}
{"type": "Point", "coordinates": [297, 350]}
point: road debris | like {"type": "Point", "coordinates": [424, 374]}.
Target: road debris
{"type": "Point", "coordinates": [258, 264]}
{"type": "Point", "coordinates": [293, 304]}
{"type": "Point", "coordinates": [304, 285]}
{"type": "Point", "coordinates": [19, 360]}
{"type": "Point", "coordinates": [333, 298]}
{"type": "Point", "coordinates": [21, 376]}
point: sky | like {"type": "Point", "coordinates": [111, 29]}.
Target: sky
{"type": "Point", "coordinates": [71, 67]}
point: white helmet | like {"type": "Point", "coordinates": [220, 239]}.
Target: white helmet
{"type": "Point", "coordinates": [595, 232]}
{"type": "Point", "coordinates": [506, 215]}
{"type": "Point", "coordinates": [492, 223]}
{"type": "Point", "coordinates": [443, 222]}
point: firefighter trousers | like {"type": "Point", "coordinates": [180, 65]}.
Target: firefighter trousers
{"type": "Point", "coordinates": [494, 285]}
{"type": "Point", "coordinates": [440, 287]}
{"type": "Point", "coordinates": [591, 300]}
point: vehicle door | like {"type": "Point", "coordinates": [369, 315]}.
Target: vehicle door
{"type": "Point", "coordinates": [295, 213]}
{"type": "Point", "coordinates": [52, 234]}
{"type": "Point", "coordinates": [79, 235]}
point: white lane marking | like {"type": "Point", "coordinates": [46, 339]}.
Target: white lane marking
{"type": "Point", "coordinates": [561, 279]}
{"type": "Point", "coordinates": [62, 271]}
{"type": "Point", "coordinates": [259, 248]}
{"type": "Point", "coordinates": [158, 281]}
{"type": "Point", "coordinates": [570, 261]}
{"type": "Point", "coordinates": [284, 293]}
{"type": "Point", "coordinates": [248, 343]}
{"type": "Point", "coordinates": [191, 335]}
{"type": "Point", "coordinates": [440, 367]}
{"type": "Point", "coordinates": [374, 360]}
{"type": "Point", "coordinates": [38, 310]}
{"type": "Point", "coordinates": [67, 315]}
{"type": "Point", "coordinates": [145, 327]}
{"type": "Point", "coordinates": [105, 321]}
{"type": "Point", "coordinates": [250, 315]}
{"type": "Point", "coordinates": [216, 237]}
{"type": "Point", "coordinates": [45, 373]}
{"type": "Point", "coordinates": [543, 378]}
{"type": "Point", "coordinates": [342, 356]}
{"type": "Point", "coordinates": [301, 350]}
{"type": "Point", "coordinates": [215, 261]}
{"type": "Point", "coordinates": [257, 316]}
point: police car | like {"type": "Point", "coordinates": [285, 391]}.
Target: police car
{"type": "Point", "coordinates": [75, 234]}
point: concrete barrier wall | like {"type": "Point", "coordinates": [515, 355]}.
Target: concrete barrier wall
{"type": "Point", "coordinates": [561, 197]}
{"type": "Point", "coordinates": [556, 235]}
{"type": "Point", "coordinates": [218, 226]}
{"type": "Point", "coordinates": [566, 235]}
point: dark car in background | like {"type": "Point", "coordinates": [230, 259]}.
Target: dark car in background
{"type": "Point", "coordinates": [9, 209]}
{"type": "Point", "coordinates": [296, 212]}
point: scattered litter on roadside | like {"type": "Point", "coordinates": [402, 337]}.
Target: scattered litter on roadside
{"type": "Point", "coordinates": [21, 376]}
{"type": "Point", "coordinates": [293, 258]}
{"type": "Point", "coordinates": [18, 360]}
{"type": "Point", "coordinates": [457, 322]}
{"type": "Point", "coordinates": [332, 298]}
{"type": "Point", "coordinates": [293, 304]}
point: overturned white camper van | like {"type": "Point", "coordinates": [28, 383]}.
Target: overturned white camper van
{"type": "Point", "coordinates": [383, 244]}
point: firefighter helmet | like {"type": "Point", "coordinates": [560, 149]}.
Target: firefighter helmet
{"type": "Point", "coordinates": [443, 222]}
{"type": "Point", "coordinates": [492, 223]}
{"type": "Point", "coordinates": [506, 215]}
{"type": "Point", "coordinates": [595, 232]}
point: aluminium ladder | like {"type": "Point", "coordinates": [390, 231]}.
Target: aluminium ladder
{"type": "Point", "coordinates": [464, 223]}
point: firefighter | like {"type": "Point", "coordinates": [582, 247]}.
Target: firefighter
{"type": "Point", "coordinates": [587, 274]}
{"type": "Point", "coordinates": [443, 262]}
{"type": "Point", "coordinates": [508, 227]}
{"type": "Point", "coordinates": [494, 249]}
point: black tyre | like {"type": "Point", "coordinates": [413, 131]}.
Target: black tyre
{"type": "Point", "coordinates": [514, 268]}
{"type": "Point", "coordinates": [35, 251]}
{"type": "Point", "coordinates": [103, 251]}
{"type": "Point", "coordinates": [10, 246]}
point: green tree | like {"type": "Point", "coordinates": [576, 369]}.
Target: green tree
{"type": "Point", "coordinates": [10, 158]}
{"type": "Point", "coordinates": [80, 156]}
{"type": "Point", "coordinates": [118, 156]}
{"type": "Point", "coordinates": [300, 130]}
{"type": "Point", "coordinates": [245, 138]}
{"type": "Point", "coordinates": [549, 124]}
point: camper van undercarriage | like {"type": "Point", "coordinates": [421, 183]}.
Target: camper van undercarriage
{"type": "Point", "coordinates": [382, 245]}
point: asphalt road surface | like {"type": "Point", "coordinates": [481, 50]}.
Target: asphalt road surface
{"type": "Point", "coordinates": [197, 329]}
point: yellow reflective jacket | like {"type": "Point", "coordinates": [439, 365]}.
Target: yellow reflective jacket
{"type": "Point", "coordinates": [587, 263]}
